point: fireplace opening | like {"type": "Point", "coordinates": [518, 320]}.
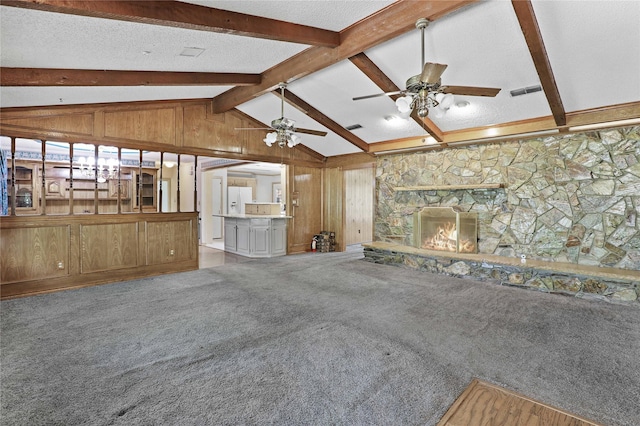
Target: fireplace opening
{"type": "Point", "coordinates": [445, 229]}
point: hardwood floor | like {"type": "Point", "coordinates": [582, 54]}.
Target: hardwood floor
{"type": "Point", "coordinates": [486, 404]}
{"type": "Point", "coordinates": [210, 257]}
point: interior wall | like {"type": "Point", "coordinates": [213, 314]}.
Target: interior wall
{"type": "Point", "coordinates": [206, 201]}
{"type": "Point", "coordinates": [333, 205]}
{"type": "Point", "coordinates": [359, 184]}
{"type": "Point", "coordinates": [187, 186]}
{"type": "Point", "coordinates": [264, 188]}
{"type": "Point", "coordinates": [568, 198]}
{"type": "Point", "coordinates": [171, 174]}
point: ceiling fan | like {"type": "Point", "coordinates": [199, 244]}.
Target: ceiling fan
{"type": "Point", "coordinates": [284, 130]}
{"type": "Point", "coordinates": [425, 90]}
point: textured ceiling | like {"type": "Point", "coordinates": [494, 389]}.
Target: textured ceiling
{"type": "Point", "coordinates": [593, 48]}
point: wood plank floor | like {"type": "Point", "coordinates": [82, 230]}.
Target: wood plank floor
{"type": "Point", "coordinates": [487, 404]}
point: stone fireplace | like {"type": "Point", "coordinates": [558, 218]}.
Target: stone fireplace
{"type": "Point", "coordinates": [559, 214]}
{"type": "Point", "coordinates": [445, 229]}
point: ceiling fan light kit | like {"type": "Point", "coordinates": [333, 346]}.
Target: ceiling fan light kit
{"type": "Point", "coordinates": [425, 92]}
{"type": "Point", "coordinates": [284, 130]}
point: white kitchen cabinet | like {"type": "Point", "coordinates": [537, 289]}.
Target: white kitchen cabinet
{"type": "Point", "coordinates": [260, 237]}
{"type": "Point", "coordinates": [278, 237]}
{"type": "Point", "coordinates": [243, 237]}
{"type": "Point", "coordinates": [230, 235]}
{"type": "Point", "coordinates": [255, 237]}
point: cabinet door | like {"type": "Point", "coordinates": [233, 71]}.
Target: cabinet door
{"type": "Point", "coordinates": [243, 239]}
{"type": "Point", "coordinates": [146, 186]}
{"type": "Point", "coordinates": [278, 237]}
{"type": "Point", "coordinates": [230, 235]}
{"type": "Point", "coordinates": [260, 240]}
{"type": "Point", "coordinates": [27, 195]}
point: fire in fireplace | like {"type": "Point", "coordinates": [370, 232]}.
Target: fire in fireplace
{"type": "Point", "coordinates": [446, 229]}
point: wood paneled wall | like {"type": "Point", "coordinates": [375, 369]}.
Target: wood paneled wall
{"type": "Point", "coordinates": [348, 196]}
{"type": "Point", "coordinates": [46, 253]}
{"type": "Point", "coordinates": [186, 127]}
{"type": "Point", "coordinates": [96, 249]}
{"type": "Point", "coordinates": [333, 210]}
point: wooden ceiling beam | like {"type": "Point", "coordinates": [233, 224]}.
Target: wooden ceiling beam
{"type": "Point", "coordinates": [188, 16]}
{"type": "Point", "coordinates": [607, 114]}
{"type": "Point", "coordinates": [475, 135]}
{"type": "Point", "coordinates": [531, 30]}
{"type": "Point", "coordinates": [390, 22]}
{"type": "Point", "coordinates": [313, 113]}
{"type": "Point", "coordinates": [75, 77]}
{"type": "Point", "coordinates": [385, 84]}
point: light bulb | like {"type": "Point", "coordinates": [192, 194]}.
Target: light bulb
{"type": "Point", "coordinates": [270, 138]}
{"type": "Point", "coordinates": [404, 104]}
{"type": "Point", "coordinates": [405, 115]}
{"type": "Point", "coordinates": [295, 139]}
{"type": "Point", "coordinates": [446, 102]}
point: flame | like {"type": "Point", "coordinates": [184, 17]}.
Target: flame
{"type": "Point", "coordinates": [446, 239]}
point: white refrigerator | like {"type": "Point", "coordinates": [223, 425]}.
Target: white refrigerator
{"type": "Point", "coordinates": [237, 196]}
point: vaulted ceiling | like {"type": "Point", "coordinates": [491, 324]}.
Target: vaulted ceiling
{"type": "Point", "coordinates": [584, 56]}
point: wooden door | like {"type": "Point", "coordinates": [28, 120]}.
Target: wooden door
{"type": "Point", "coordinates": [359, 189]}
{"type": "Point", "coordinates": [304, 203]}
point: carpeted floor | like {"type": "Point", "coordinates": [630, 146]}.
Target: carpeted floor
{"type": "Point", "coordinates": [308, 339]}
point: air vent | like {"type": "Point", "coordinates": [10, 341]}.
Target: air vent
{"type": "Point", "coordinates": [525, 91]}
{"type": "Point", "coordinates": [192, 52]}
{"type": "Point", "coordinates": [353, 127]}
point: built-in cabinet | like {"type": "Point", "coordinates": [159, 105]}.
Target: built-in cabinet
{"type": "Point", "coordinates": [146, 190]}
{"type": "Point", "coordinates": [32, 192]}
{"type": "Point", "coordinates": [255, 237]}
{"type": "Point", "coordinates": [26, 188]}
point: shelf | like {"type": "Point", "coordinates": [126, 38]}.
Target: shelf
{"type": "Point", "coordinates": [86, 199]}
{"type": "Point", "coordinates": [449, 187]}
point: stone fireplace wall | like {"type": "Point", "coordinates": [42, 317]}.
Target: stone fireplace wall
{"type": "Point", "coordinates": [566, 198]}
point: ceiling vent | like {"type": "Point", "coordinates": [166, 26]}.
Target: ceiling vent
{"type": "Point", "coordinates": [192, 52]}
{"type": "Point", "coordinates": [353, 127]}
{"type": "Point", "coordinates": [525, 91]}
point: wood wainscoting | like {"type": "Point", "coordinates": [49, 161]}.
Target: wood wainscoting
{"type": "Point", "coordinates": [40, 254]}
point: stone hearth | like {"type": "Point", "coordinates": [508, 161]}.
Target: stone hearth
{"type": "Point", "coordinates": [608, 284]}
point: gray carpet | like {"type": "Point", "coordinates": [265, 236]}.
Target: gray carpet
{"type": "Point", "coordinates": [308, 339]}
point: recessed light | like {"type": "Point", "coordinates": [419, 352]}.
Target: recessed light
{"type": "Point", "coordinates": [353, 127]}
{"type": "Point", "coordinates": [462, 104]}
{"type": "Point", "coordinates": [192, 51]}
{"type": "Point", "coordinates": [146, 52]}
{"type": "Point", "coordinates": [390, 117]}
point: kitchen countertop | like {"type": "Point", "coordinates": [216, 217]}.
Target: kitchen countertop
{"type": "Point", "coordinates": [254, 216]}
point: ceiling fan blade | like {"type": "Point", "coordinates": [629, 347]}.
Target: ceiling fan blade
{"type": "Point", "coordinates": [310, 132]}
{"type": "Point", "coordinates": [377, 95]}
{"type": "Point", "coordinates": [431, 72]}
{"type": "Point", "coordinates": [471, 91]}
